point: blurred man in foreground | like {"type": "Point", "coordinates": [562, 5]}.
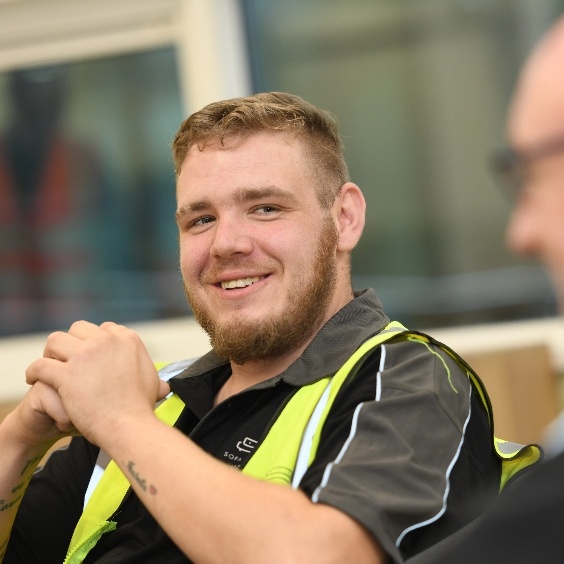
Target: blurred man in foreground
{"type": "Point", "coordinates": [526, 524]}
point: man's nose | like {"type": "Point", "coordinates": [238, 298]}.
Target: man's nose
{"type": "Point", "coordinates": [231, 237]}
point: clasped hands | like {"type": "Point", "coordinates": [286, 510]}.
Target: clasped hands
{"type": "Point", "coordinates": [88, 380]}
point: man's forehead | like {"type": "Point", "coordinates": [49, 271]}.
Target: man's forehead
{"type": "Point", "coordinates": [537, 109]}
{"type": "Point", "coordinates": [264, 151]}
{"type": "Point", "coordinates": [234, 141]}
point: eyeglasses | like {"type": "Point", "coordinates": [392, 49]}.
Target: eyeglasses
{"type": "Point", "coordinates": [510, 166]}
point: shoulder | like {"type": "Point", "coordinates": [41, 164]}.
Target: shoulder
{"type": "Point", "coordinates": [405, 411]}
{"type": "Point", "coordinates": [414, 386]}
{"type": "Point", "coordinates": [415, 365]}
{"type": "Point", "coordinates": [410, 375]}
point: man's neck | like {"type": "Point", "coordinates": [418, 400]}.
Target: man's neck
{"type": "Point", "coordinates": [244, 376]}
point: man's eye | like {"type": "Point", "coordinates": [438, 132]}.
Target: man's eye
{"type": "Point", "coordinates": [201, 221]}
{"type": "Point", "coordinates": [266, 209]}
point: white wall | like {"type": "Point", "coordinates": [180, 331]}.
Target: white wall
{"type": "Point", "coordinates": [208, 35]}
{"type": "Point", "coordinates": [165, 340]}
{"type": "Point", "coordinates": [182, 338]}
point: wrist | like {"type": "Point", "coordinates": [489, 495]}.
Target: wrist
{"type": "Point", "coordinates": [116, 434]}
{"type": "Point", "coordinates": [16, 436]}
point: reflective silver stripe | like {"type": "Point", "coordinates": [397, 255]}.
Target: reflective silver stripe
{"type": "Point", "coordinates": [175, 368]}
{"type": "Point", "coordinates": [379, 375]}
{"type": "Point", "coordinates": [101, 462]}
{"type": "Point", "coordinates": [354, 424]}
{"type": "Point", "coordinates": [507, 447]}
{"type": "Point", "coordinates": [447, 477]}
{"type": "Point", "coordinates": [306, 445]}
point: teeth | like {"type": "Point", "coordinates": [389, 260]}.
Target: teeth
{"type": "Point", "coordinates": [241, 283]}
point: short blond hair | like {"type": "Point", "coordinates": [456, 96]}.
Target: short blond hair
{"type": "Point", "coordinates": [239, 118]}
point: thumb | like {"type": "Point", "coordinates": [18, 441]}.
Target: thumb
{"type": "Point", "coordinates": [164, 390]}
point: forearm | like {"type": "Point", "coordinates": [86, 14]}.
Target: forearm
{"type": "Point", "coordinates": [214, 513]}
{"type": "Point", "coordinates": [18, 461]}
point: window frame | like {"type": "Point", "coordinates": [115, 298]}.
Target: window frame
{"type": "Point", "coordinates": [209, 38]}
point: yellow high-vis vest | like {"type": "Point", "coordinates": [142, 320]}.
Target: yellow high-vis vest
{"type": "Point", "coordinates": [290, 445]}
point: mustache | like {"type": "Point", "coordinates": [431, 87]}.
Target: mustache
{"type": "Point", "coordinates": [218, 270]}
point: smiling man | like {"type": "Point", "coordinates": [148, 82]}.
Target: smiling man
{"type": "Point", "coordinates": [313, 431]}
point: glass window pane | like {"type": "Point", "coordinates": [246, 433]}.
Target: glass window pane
{"type": "Point", "coordinates": [420, 90]}
{"type": "Point", "coordinates": [87, 192]}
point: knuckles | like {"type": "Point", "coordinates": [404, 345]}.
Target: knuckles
{"type": "Point", "coordinates": [81, 327]}
{"type": "Point", "coordinates": [34, 370]}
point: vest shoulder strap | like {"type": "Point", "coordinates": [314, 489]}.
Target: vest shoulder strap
{"type": "Point", "coordinates": [108, 495]}
{"type": "Point", "coordinates": [291, 443]}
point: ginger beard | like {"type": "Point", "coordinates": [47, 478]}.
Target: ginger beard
{"type": "Point", "coordinates": [242, 341]}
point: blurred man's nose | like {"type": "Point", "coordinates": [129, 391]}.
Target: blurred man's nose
{"type": "Point", "coordinates": [522, 229]}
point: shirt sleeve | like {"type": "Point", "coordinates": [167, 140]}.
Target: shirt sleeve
{"type": "Point", "coordinates": [52, 505]}
{"type": "Point", "coordinates": [406, 450]}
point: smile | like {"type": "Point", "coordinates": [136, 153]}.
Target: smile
{"type": "Point", "coordinates": [240, 283]}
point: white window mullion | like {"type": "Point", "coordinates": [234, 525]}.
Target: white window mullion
{"type": "Point", "coordinates": [212, 51]}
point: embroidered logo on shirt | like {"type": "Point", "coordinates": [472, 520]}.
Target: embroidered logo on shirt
{"type": "Point", "coordinates": [246, 446]}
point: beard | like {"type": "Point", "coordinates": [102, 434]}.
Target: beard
{"type": "Point", "coordinates": [307, 302]}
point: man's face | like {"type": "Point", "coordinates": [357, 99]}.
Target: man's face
{"type": "Point", "coordinates": [536, 227]}
{"type": "Point", "coordinates": [258, 253]}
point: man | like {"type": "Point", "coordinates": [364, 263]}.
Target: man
{"type": "Point", "coordinates": [398, 444]}
{"type": "Point", "coordinates": [525, 525]}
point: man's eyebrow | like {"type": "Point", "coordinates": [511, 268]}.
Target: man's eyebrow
{"type": "Point", "coordinates": [253, 194]}
{"type": "Point", "coordinates": [191, 208]}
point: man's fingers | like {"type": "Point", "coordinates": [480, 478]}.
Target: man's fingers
{"type": "Point", "coordinates": [83, 329]}
{"type": "Point", "coordinates": [46, 370]}
{"type": "Point", "coordinates": [111, 326]}
{"type": "Point", "coordinates": [43, 379]}
{"type": "Point", "coordinates": [53, 407]}
{"type": "Point", "coordinates": [164, 390]}
{"type": "Point", "coordinates": [59, 345]}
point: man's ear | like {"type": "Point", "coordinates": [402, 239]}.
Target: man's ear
{"type": "Point", "coordinates": [349, 211]}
